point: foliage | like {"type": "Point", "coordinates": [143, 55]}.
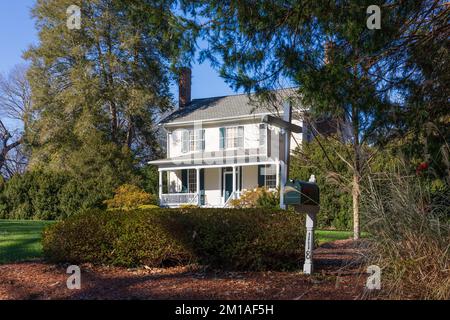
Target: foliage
{"type": "Point", "coordinates": [341, 68]}
{"type": "Point", "coordinates": [104, 85]}
{"type": "Point", "coordinates": [33, 195]}
{"type": "Point", "coordinates": [128, 196]}
{"type": "Point", "coordinates": [334, 177]}
{"type": "Point", "coordinates": [257, 198]}
{"type": "Point", "coordinates": [47, 195]}
{"type": "Point", "coordinates": [330, 172]}
{"type": "Point", "coordinates": [150, 179]}
{"type": "Point", "coordinates": [409, 223]}
{"type": "Point", "coordinates": [249, 239]}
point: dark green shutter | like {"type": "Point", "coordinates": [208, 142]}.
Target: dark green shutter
{"type": "Point", "coordinates": [240, 178]}
{"type": "Point", "coordinates": [260, 175]}
{"type": "Point", "coordinates": [203, 139]}
{"type": "Point", "coordinates": [184, 182]}
{"type": "Point", "coordinates": [202, 186]}
{"type": "Point", "coordinates": [222, 138]}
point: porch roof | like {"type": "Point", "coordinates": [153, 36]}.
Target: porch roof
{"type": "Point", "coordinates": [222, 158]}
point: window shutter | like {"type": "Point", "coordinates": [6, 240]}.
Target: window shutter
{"type": "Point", "coordinates": [202, 186]}
{"type": "Point", "coordinates": [203, 140]}
{"type": "Point", "coordinates": [185, 141]}
{"type": "Point", "coordinates": [184, 182]}
{"type": "Point", "coordinates": [222, 138]}
{"type": "Point", "coordinates": [240, 178]}
{"type": "Point", "coordinates": [240, 137]}
{"type": "Point", "coordinates": [261, 169]}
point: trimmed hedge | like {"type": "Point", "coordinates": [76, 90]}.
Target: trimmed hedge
{"type": "Point", "coordinates": [237, 239]}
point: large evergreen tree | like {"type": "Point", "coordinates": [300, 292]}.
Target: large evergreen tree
{"type": "Point", "coordinates": [340, 66]}
{"type": "Point", "coordinates": [97, 90]}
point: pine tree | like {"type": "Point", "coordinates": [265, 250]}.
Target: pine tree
{"type": "Point", "coordinates": [98, 90]}
{"type": "Point", "coordinates": [341, 67]}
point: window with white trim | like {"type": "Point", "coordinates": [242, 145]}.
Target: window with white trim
{"type": "Point", "coordinates": [192, 181]}
{"type": "Point", "coordinates": [234, 137]}
{"type": "Point", "coordinates": [269, 173]}
{"type": "Point", "coordinates": [192, 140]}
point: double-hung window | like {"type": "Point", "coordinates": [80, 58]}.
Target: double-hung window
{"type": "Point", "coordinates": [267, 176]}
{"type": "Point", "coordinates": [232, 137]}
{"type": "Point", "coordinates": [192, 181]}
{"type": "Point", "coordinates": [193, 140]}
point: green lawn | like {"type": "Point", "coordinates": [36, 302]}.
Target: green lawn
{"type": "Point", "coordinates": [324, 236]}
{"type": "Point", "coordinates": [20, 240]}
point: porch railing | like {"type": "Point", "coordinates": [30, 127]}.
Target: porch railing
{"type": "Point", "coordinates": [233, 195]}
{"type": "Point", "coordinates": [178, 198]}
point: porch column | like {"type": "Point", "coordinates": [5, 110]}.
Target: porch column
{"type": "Point", "coordinates": [278, 174]}
{"type": "Point", "coordinates": [234, 182]}
{"type": "Point", "coordinates": [198, 186]}
{"type": "Point", "coordinates": [160, 185]}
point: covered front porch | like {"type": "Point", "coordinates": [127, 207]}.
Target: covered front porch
{"type": "Point", "coordinates": [213, 185]}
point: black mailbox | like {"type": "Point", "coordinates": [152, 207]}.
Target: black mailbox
{"type": "Point", "coordinates": [298, 192]}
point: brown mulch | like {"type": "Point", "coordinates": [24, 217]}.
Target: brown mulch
{"type": "Point", "coordinates": [339, 274]}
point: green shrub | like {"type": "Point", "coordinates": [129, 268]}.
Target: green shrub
{"type": "Point", "coordinates": [53, 195]}
{"type": "Point", "coordinates": [251, 239]}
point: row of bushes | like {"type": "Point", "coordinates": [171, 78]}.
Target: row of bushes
{"type": "Point", "coordinates": [55, 195]}
{"type": "Point", "coordinates": [250, 239]}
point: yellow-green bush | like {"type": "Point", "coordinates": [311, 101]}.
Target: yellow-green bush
{"type": "Point", "coordinates": [249, 239]}
{"type": "Point", "coordinates": [128, 196]}
{"type": "Point", "coordinates": [257, 198]}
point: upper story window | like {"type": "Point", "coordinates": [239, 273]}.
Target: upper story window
{"type": "Point", "coordinates": [192, 140]}
{"type": "Point", "coordinates": [232, 137]}
{"type": "Point", "coordinates": [262, 135]}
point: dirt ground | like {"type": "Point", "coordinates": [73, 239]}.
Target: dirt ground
{"type": "Point", "coordinates": [339, 275]}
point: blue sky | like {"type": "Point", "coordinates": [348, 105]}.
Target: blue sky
{"type": "Point", "coordinates": [17, 33]}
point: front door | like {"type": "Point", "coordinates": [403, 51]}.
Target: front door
{"type": "Point", "coordinates": [228, 185]}
{"type": "Point", "coordinates": [228, 182]}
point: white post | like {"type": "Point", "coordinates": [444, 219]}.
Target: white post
{"type": "Point", "coordinates": [198, 187]}
{"type": "Point", "coordinates": [234, 182]}
{"type": "Point", "coordinates": [282, 184]}
{"type": "Point", "coordinates": [287, 116]}
{"type": "Point", "coordinates": [160, 185]}
{"type": "Point", "coordinates": [309, 243]}
{"type": "Point", "coordinates": [278, 174]}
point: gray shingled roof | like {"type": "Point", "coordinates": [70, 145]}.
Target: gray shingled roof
{"type": "Point", "coordinates": [225, 107]}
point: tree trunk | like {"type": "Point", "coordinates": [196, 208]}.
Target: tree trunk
{"type": "Point", "coordinates": [355, 195]}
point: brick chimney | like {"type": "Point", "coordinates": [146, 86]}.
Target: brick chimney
{"type": "Point", "coordinates": [184, 87]}
{"type": "Point", "coordinates": [329, 46]}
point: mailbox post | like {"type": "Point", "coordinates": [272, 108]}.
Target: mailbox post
{"type": "Point", "coordinates": [304, 196]}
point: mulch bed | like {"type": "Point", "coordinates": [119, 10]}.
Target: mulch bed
{"type": "Point", "coordinates": [339, 275]}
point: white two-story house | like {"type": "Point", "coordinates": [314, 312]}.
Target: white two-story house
{"type": "Point", "coordinates": [219, 147]}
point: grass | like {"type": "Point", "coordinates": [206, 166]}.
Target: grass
{"type": "Point", "coordinates": [324, 236]}
{"type": "Point", "coordinates": [20, 240]}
